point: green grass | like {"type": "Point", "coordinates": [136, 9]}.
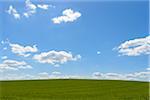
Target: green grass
{"type": "Point", "coordinates": [74, 90]}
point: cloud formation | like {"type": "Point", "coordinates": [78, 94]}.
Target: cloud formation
{"type": "Point", "coordinates": [142, 76]}
{"type": "Point", "coordinates": [30, 7]}
{"type": "Point", "coordinates": [56, 73]}
{"type": "Point", "coordinates": [68, 15]}
{"type": "Point", "coordinates": [55, 57]}
{"type": "Point", "coordinates": [14, 12]}
{"type": "Point", "coordinates": [22, 50]}
{"type": "Point", "coordinates": [43, 75]}
{"type": "Point", "coordinates": [135, 47]}
{"type": "Point", "coordinates": [13, 65]}
{"type": "Point", "coordinates": [44, 6]}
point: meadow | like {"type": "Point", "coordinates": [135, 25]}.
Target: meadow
{"type": "Point", "coordinates": [73, 89]}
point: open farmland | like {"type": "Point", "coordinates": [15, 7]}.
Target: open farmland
{"type": "Point", "coordinates": [74, 90]}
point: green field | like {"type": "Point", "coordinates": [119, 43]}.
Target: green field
{"type": "Point", "coordinates": [74, 90]}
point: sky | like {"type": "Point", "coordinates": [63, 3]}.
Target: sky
{"type": "Point", "coordinates": [89, 39]}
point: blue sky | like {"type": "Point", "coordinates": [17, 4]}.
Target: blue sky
{"type": "Point", "coordinates": [96, 27]}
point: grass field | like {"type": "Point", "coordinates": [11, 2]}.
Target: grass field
{"type": "Point", "coordinates": [74, 90]}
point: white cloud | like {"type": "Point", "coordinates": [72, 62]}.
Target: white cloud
{"type": "Point", "coordinates": [43, 6]}
{"type": "Point", "coordinates": [4, 57]}
{"type": "Point", "coordinates": [13, 11]}
{"type": "Point", "coordinates": [56, 73]}
{"type": "Point", "coordinates": [2, 42]}
{"type": "Point", "coordinates": [137, 76]}
{"type": "Point", "coordinates": [98, 52]}
{"type": "Point", "coordinates": [113, 76]}
{"type": "Point", "coordinates": [68, 15]}
{"type": "Point", "coordinates": [55, 57]}
{"type": "Point", "coordinates": [13, 65]}
{"type": "Point", "coordinates": [135, 47]}
{"type": "Point", "coordinates": [8, 76]}
{"type": "Point", "coordinates": [107, 75]}
{"type": "Point", "coordinates": [148, 68]}
{"type": "Point", "coordinates": [97, 74]}
{"type": "Point", "coordinates": [30, 7]}
{"type": "Point", "coordinates": [141, 76]}
{"type": "Point", "coordinates": [22, 50]}
{"type": "Point", "coordinates": [43, 75]}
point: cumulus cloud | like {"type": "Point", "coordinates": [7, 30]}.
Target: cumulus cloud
{"type": "Point", "coordinates": [14, 12]}
{"type": "Point", "coordinates": [142, 76]}
{"type": "Point", "coordinates": [138, 75]}
{"type": "Point", "coordinates": [30, 8]}
{"type": "Point", "coordinates": [55, 57]}
{"type": "Point", "coordinates": [13, 65]}
{"type": "Point", "coordinates": [68, 15]}
{"type": "Point", "coordinates": [45, 6]}
{"type": "Point", "coordinates": [22, 50]}
{"type": "Point", "coordinates": [135, 47]}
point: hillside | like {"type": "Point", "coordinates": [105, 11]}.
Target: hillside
{"type": "Point", "coordinates": [73, 90]}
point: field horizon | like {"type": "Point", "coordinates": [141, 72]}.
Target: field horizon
{"type": "Point", "coordinates": [72, 79]}
{"type": "Point", "coordinates": [74, 89]}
